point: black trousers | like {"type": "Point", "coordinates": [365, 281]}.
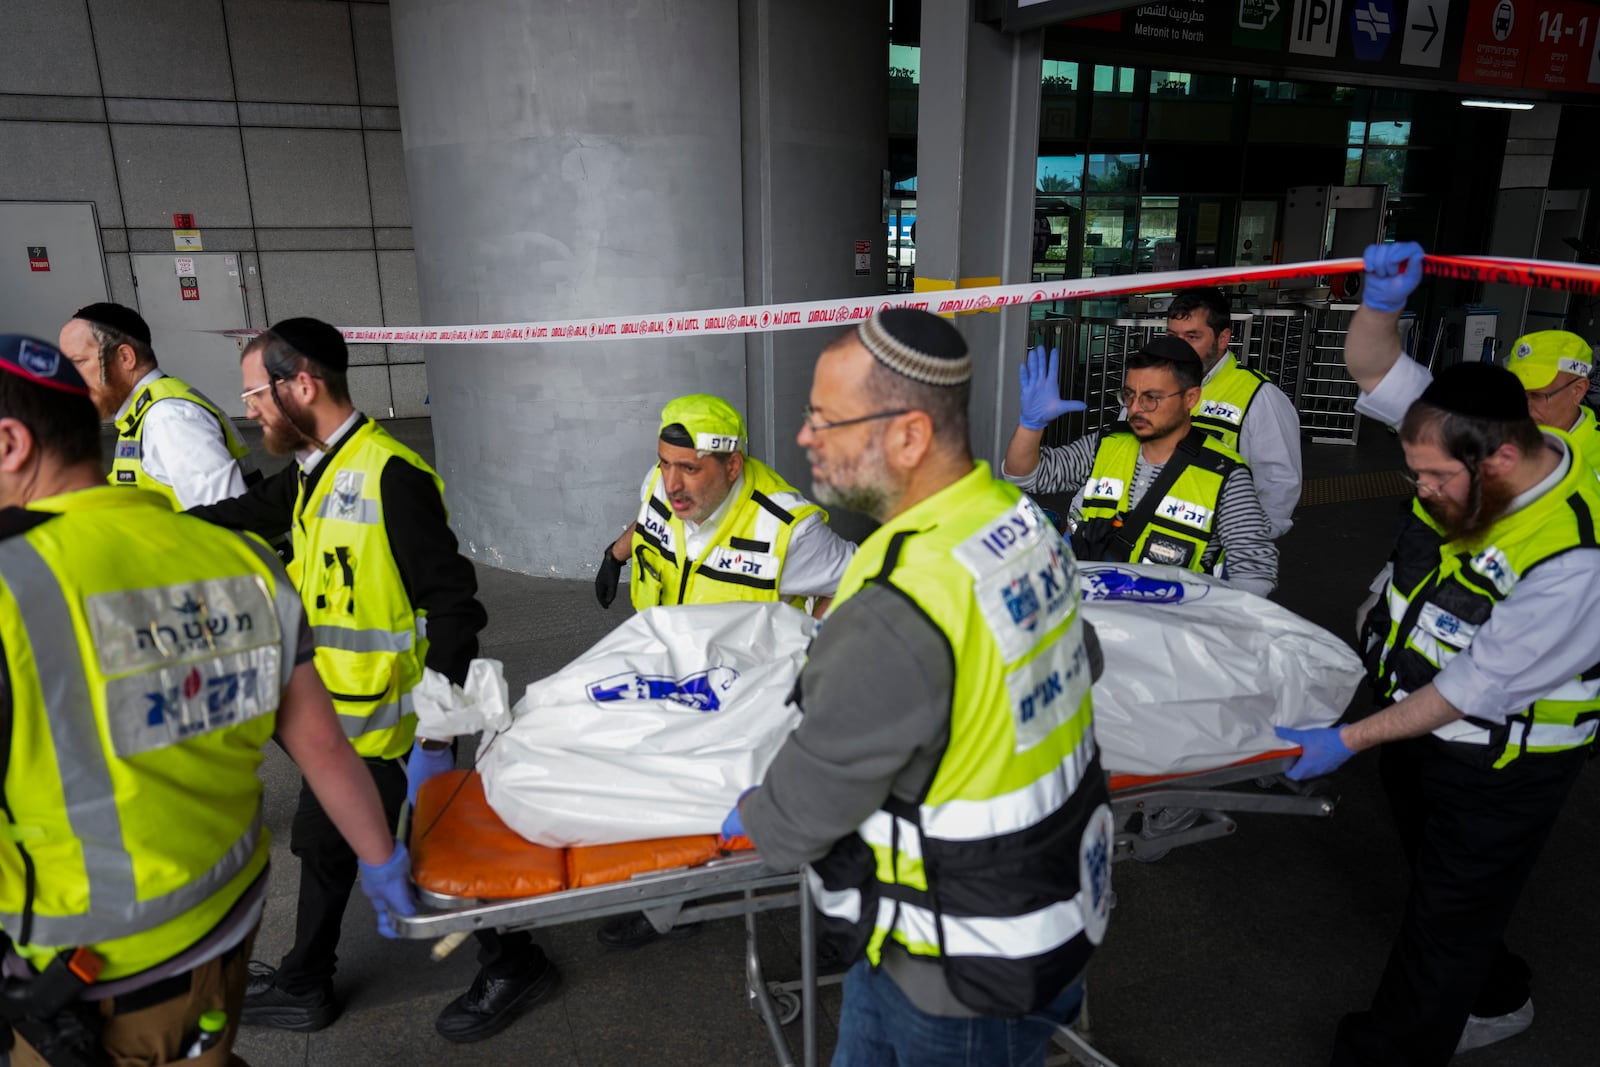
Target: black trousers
{"type": "Point", "coordinates": [328, 871]}
{"type": "Point", "coordinates": [1471, 836]}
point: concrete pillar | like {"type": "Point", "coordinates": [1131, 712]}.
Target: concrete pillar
{"type": "Point", "coordinates": [977, 152]}
{"type": "Point", "coordinates": [816, 114]}
{"type": "Point", "coordinates": [578, 160]}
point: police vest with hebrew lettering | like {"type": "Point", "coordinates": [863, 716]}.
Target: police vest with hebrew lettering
{"type": "Point", "coordinates": [1442, 592]}
{"type": "Point", "coordinates": [371, 640]}
{"type": "Point", "coordinates": [145, 652]}
{"type": "Point", "coordinates": [127, 465]}
{"type": "Point", "coordinates": [742, 561]}
{"type": "Point", "coordinates": [1002, 872]}
{"type": "Point", "coordinates": [1182, 531]}
{"type": "Point", "coordinates": [1225, 400]}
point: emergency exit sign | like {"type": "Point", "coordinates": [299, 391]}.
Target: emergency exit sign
{"type": "Point", "coordinates": [38, 258]}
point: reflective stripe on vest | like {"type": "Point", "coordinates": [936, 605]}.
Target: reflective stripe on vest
{"type": "Point", "coordinates": [1013, 937]}
{"type": "Point", "coordinates": [741, 561]}
{"type": "Point", "coordinates": [131, 911]}
{"type": "Point", "coordinates": [1225, 399]}
{"type": "Point", "coordinates": [371, 641]}
{"type": "Point", "coordinates": [1019, 776]}
{"type": "Point", "coordinates": [127, 463]}
{"type": "Point", "coordinates": [1182, 531]}
{"type": "Point", "coordinates": [1453, 591]}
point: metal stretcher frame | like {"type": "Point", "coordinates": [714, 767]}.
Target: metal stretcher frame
{"type": "Point", "coordinates": [668, 898]}
{"type": "Point", "coordinates": [678, 895]}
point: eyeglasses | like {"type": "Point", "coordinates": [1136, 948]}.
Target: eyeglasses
{"type": "Point", "coordinates": [1146, 401]}
{"type": "Point", "coordinates": [808, 418]}
{"type": "Point", "coordinates": [248, 397]}
{"type": "Point", "coordinates": [1432, 487]}
{"type": "Point", "coordinates": [1544, 396]}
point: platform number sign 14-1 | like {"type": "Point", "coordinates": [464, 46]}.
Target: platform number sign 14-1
{"type": "Point", "coordinates": [1555, 30]}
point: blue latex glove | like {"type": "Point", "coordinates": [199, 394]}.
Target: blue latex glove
{"type": "Point", "coordinates": [1041, 391]}
{"type": "Point", "coordinates": [1323, 751]}
{"type": "Point", "coordinates": [1393, 273]}
{"type": "Point", "coordinates": [733, 826]}
{"type": "Point", "coordinates": [389, 889]}
{"type": "Point", "coordinates": [423, 764]}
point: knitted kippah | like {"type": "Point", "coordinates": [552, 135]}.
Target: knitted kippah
{"type": "Point", "coordinates": [917, 344]}
{"type": "Point", "coordinates": [1478, 391]}
{"type": "Point", "coordinates": [316, 340]}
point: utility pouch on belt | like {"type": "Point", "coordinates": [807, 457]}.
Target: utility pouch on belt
{"type": "Point", "coordinates": [49, 1015]}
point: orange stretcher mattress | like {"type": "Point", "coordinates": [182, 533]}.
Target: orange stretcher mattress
{"type": "Point", "coordinates": [460, 848]}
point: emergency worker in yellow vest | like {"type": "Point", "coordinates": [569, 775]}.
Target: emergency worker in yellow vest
{"type": "Point", "coordinates": [171, 440]}
{"type": "Point", "coordinates": [1553, 367]}
{"type": "Point", "coordinates": [944, 783]}
{"type": "Point", "coordinates": [389, 596]}
{"type": "Point", "coordinates": [148, 657]}
{"type": "Point", "coordinates": [1155, 489]}
{"type": "Point", "coordinates": [1483, 649]}
{"type": "Point", "coordinates": [1239, 407]}
{"type": "Point", "coordinates": [715, 525]}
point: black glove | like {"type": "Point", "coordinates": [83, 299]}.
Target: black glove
{"type": "Point", "coordinates": [605, 579]}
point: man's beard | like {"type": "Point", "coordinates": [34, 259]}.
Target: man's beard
{"type": "Point", "coordinates": [1487, 502]}
{"type": "Point", "coordinates": [858, 484]}
{"type": "Point", "coordinates": [284, 438]}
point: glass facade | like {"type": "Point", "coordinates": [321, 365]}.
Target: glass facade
{"type": "Point", "coordinates": [1144, 169]}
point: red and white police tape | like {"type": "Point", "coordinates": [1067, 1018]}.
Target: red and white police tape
{"type": "Point", "coordinates": [770, 318]}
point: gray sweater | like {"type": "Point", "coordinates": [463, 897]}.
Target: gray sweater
{"type": "Point", "coordinates": [876, 694]}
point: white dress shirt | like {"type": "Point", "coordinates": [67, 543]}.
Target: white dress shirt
{"type": "Point", "coordinates": [182, 446]}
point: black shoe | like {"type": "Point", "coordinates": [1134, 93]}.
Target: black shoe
{"type": "Point", "coordinates": [265, 1004]}
{"type": "Point", "coordinates": [492, 1004]}
{"type": "Point", "coordinates": [635, 931]}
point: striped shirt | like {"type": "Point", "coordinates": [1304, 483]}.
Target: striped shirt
{"type": "Point", "coordinates": [1250, 556]}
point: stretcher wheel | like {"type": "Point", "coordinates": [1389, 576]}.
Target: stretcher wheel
{"type": "Point", "coordinates": [786, 1002]}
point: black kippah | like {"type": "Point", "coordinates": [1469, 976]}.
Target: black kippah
{"type": "Point", "coordinates": [1172, 348]}
{"type": "Point", "coordinates": [917, 344]}
{"type": "Point", "coordinates": [124, 320]}
{"type": "Point", "coordinates": [1478, 391]}
{"type": "Point", "coordinates": [316, 340]}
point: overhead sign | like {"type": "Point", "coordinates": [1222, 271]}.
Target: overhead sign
{"type": "Point", "coordinates": [1547, 45]}
{"type": "Point", "coordinates": [1494, 50]}
{"type": "Point", "coordinates": [1259, 24]}
{"type": "Point", "coordinates": [1372, 26]}
{"type": "Point", "coordinates": [1423, 45]}
{"type": "Point", "coordinates": [1562, 45]}
{"type": "Point", "coordinates": [1316, 27]}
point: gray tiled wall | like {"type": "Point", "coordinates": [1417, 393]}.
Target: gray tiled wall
{"type": "Point", "coordinates": [273, 122]}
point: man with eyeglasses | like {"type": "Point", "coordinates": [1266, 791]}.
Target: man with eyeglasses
{"type": "Point", "coordinates": [1155, 489]}
{"type": "Point", "coordinates": [389, 597]}
{"type": "Point", "coordinates": [171, 440]}
{"type": "Point", "coordinates": [943, 785]}
{"type": "Point", "coordinates": [715, 526]}
{"type": "Point", "coordinates": [1553, 367]}
{"type": "Point", "coordinates": [1483, 648]}
{"type": "Point", "coordinates": [1239, 407]}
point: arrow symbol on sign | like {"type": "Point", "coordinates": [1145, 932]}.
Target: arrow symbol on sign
{"type": "Point", "coordinates": [1269, 11]}
{"type": "Point", "coordinates": [1432, 27]}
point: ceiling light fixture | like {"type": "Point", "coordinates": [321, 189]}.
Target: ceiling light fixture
{"type": "Point", "coordinates": [1498, 105]}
